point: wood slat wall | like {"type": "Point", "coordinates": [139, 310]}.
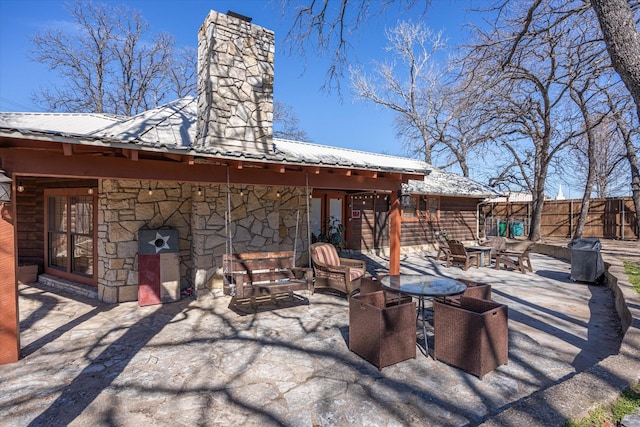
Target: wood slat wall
{"type": "Point", "coordinates": [371, 230]}
{"type": "Point", "coordinates": [30, 224]}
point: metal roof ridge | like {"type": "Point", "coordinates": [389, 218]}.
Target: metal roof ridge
{"type": "Point", "coordinates": [148, 115]}
{"type": "Point", "coordinates": [352, 150]}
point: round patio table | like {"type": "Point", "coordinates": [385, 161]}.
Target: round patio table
{"type": "Point", "coordinates": [422, 287]}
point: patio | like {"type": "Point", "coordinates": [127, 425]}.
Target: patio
{"type": "Point", "coordinates": [200, 363]}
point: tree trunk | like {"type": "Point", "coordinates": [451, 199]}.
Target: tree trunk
{"type": "Point", "coordinates": [578, 97]}
{"type": "Point", "coordinates": [635, 182]}
{"type": "Point", "coordinates": [623, 42]}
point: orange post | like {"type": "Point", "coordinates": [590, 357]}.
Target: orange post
{"type": "Point", "coordinates": [395, 224]}
{"type": "Point", "coordinates": [9, 326]}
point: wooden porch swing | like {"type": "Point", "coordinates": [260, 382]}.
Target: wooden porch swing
{"type": "Point", "coordinates": [265, 274]}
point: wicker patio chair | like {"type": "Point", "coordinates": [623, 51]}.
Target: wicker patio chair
{"type": "Point", "coordinates": [472, 336]}
{"type": "Point", "coordinates": [369, 285]}
{"type": "Point", "coordinates": [381, 334]}
{"type": "Point", "coordinates": [459, 255]}
{"type": "Point", "coordinates": [332, 272]}
{"type": "Point", "coordinates": [478, 290]}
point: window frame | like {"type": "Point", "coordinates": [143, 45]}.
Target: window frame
{"type": "Point", "coordinates": [67, 272]}
{"type": "Point", "coordinates": [420, 204]}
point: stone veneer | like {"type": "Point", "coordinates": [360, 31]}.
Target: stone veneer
{"type": "Point", "coordinates": [262, 219]}
{"type": "Point", "coordinates": [124, 207]}
{"type": "Point", "coordinates": [235, 84]}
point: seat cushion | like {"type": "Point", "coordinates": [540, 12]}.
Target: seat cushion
{"type": "Point", "coordinates": [355, 273]}
{"type": "Point", "coordinates": [326, 254]}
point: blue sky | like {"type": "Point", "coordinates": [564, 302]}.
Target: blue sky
{"type": "Point", "coordinates": [327, 118]}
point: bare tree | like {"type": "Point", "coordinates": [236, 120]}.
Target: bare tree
{"type": "Point", "coordinates": [622, 39]}
{"type": "Point", "coordinates": [107, 63]}
{"type": "Point", "coordinates": [328, 27]}
{"type": "Point", "coordinates": [321, 26]}
{"type": "Point", "coordinates": [630, 135]}
{"type": "Point", "coordinates": [408, 86]}
{"type": "Point", "coordinates": [609, 154]}
{"type": "Point", "coordinates": [286, 123]}
{"type": "Point", "coordinates": [588, 96]}
{"type": "Point", "coordinates": [183, 72]}
{"type": "Point", "coordinates": [525, 100]}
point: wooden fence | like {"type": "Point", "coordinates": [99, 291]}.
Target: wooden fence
{"type": "Point", "coordinates": [610, 218]}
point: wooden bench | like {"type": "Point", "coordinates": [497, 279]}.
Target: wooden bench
{"type": "Point", "coordinates": [258, 274]}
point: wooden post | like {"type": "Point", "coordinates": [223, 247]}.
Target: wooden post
{"type": "Point", "coordinates": [395, 224]}
{"type": "Point", "coordinates": [9, 324]}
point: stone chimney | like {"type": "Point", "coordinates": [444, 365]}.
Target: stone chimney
{"type": "Point", "coordinates": [235, 84]}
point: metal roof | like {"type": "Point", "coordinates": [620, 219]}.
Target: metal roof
{"type": "Point", "coordinates": [439, 182]}
{"type": "Point", "coordinates": [325, 155]}
{"type": "Point", "coordinates": [172, 128]}
{"type": "Point", "coordinates": [513, 196]}
{"type": "Point", "coordinates": [171, 125]}
{"type": "Point", "coordinates": [66, 123]}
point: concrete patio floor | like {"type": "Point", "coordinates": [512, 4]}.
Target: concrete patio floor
{"type": "Point", "coordinates": [201, 363]}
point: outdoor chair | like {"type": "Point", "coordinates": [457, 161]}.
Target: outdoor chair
{"type": "Point", "coordinates": [497, 244]}
{"type": "Point", "coordinates": [472, 336]}
{"type": "Point", "coordinates": [475, 289]}
{"type": "Point", "coordinates": [518, 260]}
{"type": "Point", "coordinates": [443, 248]}
{"type": "Point", "coordinates": [332, 272]}
{"type": "Point", "coordinates": [459, 255]}
{"type": "Point", "coordinates": [381, 334]}
{"type": "Point", "coordinates": [370, 285]}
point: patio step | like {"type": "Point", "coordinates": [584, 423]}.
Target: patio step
{"type": "Point", "coordinates": [69, 286]}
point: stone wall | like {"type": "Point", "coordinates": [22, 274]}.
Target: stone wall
{"type": "Point", "coordinates": [235, 84]}
{"type": "Point", "coordinates": [262, 219]}
{"type": "Point", "coordinates": [124, 207]}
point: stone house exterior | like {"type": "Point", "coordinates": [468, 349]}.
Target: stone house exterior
{"type": "Point", "coordinates": [84, 186]}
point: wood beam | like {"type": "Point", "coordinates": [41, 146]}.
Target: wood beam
{"type": "Point", "coordinates": [172, 156]}
{"type": "Point", "coordinates": [9, 317]}
{"type": "Point", "coordinates": [395, 229]}
{"type": "Point", "coordinates": [55, 164]}
{"type": "Point", "coordinates": [130, 154]}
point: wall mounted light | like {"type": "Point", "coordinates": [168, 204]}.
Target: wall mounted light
{"type": "Point", "coordinates": [20, 187]}
{"type": "Point", "coordinates": [199, 191]}
{"type": "Point", "coordinates": [150, 190]}
{"type": "Point", "coordinates": [90, 190]}
{"type": "Point", "coordinates": [5, 187]}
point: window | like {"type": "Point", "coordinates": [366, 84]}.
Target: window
{"type": "Point", "coordinates": [422, 208]}
{"type": "Point", "coordinates": [70, 234]}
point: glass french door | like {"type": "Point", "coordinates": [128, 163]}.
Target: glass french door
{"type": "Point", "coordinates": [70, 234]}
{"type": "Point", "coordinates": [326, 214]}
